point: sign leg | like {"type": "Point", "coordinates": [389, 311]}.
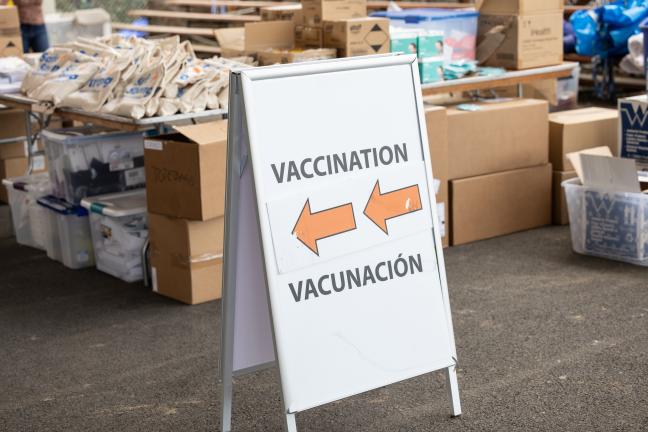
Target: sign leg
{"type": "Point", "coordinates": [453, 390]}
{"type": "Point", "coordinates": [291, 423]}
{"type": "Point", "coordinates": [226, 403]}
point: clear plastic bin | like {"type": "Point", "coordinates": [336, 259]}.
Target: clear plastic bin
{"type": "Point", "coordinates": [29, 219]}
{"type": "Point", "coordinates": [607, 224]}
{"type": "Point", "coordinates": [459, 27]}
{"type": "Point", "coordinates": [119, 228]}
{"type": "Point", "coordinates": [91, 161]}
{"type": "Point", "coordinates": [73, 231]}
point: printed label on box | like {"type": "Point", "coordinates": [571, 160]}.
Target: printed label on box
{"type": "Point", "coordinates": [612, 225]}
{"type": "Point", "coordinates": [153, 145]}
{"type": "Point", "coordinates": [135, 176]}
{"type": "Point", "coordinates": [634, 130]}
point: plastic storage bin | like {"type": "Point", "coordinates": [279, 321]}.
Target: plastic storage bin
{"type": "Point", "coordinates": [118, 224]}
{"type": "Point", "coordinates": [458, 26]}
{"type": "Point", "coordinates": [73, 230]}
{"type": "Point", "coordinates": [92, 161]}
{"type": "Point", "coordinates": [607, 224]}
{"type": "Point", "coordinates": [30, 221]}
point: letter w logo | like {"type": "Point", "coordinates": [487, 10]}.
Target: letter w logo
{"type": "Point", "coordinates": [632, 117]}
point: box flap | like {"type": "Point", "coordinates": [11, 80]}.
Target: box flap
{"type": "Point", "coordinates": [231, 38]}
{"type": "Point", "coordinates": [269, 34]}
{"type": "Point", "coordinates": [610, 173]}
{"type": "Point", "coordinates": [205, 133]}
{"type": "Point", "coordinates": [575, 158]}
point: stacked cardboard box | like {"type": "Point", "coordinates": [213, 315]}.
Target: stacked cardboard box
{"type": "Point", "coordinates": [186, 202]}
{"type": "Point", "coordinates": [437, 130]}
{"type": "Point", "coordinates": [500, 178]}
{"type": "Point", "coordinates": [520, 34]}
{"type": "Point", "coordinates": [573, 131]}
{"type": "Point", "coordinates": [10, 39]}
{"type": "Point", "coordinates": [342, 25]}
{"type": "Point", "coordinates": [13, 155]}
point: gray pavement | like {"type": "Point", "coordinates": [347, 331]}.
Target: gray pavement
{"type": "Point", "coordinates": [547, 341]}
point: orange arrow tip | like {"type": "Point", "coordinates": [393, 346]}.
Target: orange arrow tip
{"type": "Point", "coordinates": [303, 230]}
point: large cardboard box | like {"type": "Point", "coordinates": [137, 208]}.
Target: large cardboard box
{"type": "Point", "coordinates": [633, 129]}
{"type": "Point", "coordinates": [185, 172]}
{"type": "Point", "coordinates": [484, 138]}
{"type": "Point", "coordinates": [576, 130]}
{"type": "Point", "coordinates": [437, 131]}
{"type": "Point", "coordinates": [186, 258]}
{"type": "Point", "coordinates": [315, 12]}
{"type": "Point", "coordinates": [270, 57]}
{"type": "Point", "coordinates": [11, 46]}
{"type": "Point", "coordinates": [498, 204]}
{"type": "Point", "coordinates": [9, 21]}
{"type": "Point", "coordinates": [529, 40]}
{"type": "Point", "coordinates": [560, 215]}
{"type": "Point", "coordinates": [521, 7]}
{"type": "Point", "coordinates": [255, 37]}
{"type": "Point", "coordinates": [13, 167]}
{"type": "Point", "coordinates": [357, 36]}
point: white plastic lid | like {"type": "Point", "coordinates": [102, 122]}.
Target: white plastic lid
{"type": "Point", "coordinates": [35, 183]}
{"type": "Point", "coordinates": [118, 204]}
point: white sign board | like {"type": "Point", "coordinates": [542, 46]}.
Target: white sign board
{"type": "Point", "coordinates": [329, 165]}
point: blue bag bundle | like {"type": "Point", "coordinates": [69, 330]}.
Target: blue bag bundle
{"type": "Point", "coordinates": [604, 31]}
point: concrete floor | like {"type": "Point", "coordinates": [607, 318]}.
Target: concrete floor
{"type": "Point", "coordinates": [547, 341]}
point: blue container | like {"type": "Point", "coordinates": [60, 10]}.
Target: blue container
{"type": "Point", "coordinates": [459, 27]}
{"type": "Point", "coordinates": [644, 28]}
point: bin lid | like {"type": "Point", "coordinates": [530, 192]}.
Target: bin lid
{"type": "Point", "coordinates": [118, 204]}
{"type": "Point", "coordinates": [61, 206]}
{"type": "Point", "coordinates": [415, 16]}
{"type": "Point", "coordinates": [36, 183]}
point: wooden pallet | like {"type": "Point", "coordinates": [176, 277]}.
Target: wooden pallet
{"type": "Point", "coordinates": [193, 16]}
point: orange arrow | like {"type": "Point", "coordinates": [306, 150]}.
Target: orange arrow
{"type": "Point", "coordinates": [382, 207]}
{"type": "Point", "coordinates": [311, 227]}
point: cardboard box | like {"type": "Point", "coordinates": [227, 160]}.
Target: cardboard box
{"type": "Point", "coordinates": [9, 21]}
{"type": "Point", "coordinates": [491, 137]}
{"type": "Point", "coordinates": [529, 41]}
{"type": "Point", "coordinates": [11, 46]}
{"type": "Point", "coordinates": [315, 12]}
{"type": "Point", "coordinates": [271, 57]}
{"type": "Point", "coordinates": [186, 172]}
{"type": "Point", "coordinates": [357, 36]}
{"type": "Point", "coordinates": [572, 131]}
{"type": "Point", "coordinates": [437, 130]}
{"type": "Point", "coordinates": [430, 44]}
{"type": "Point", "coordinates": [560, 215]}
{"type": "Point", "coordinates": [186, 258]}
{"type": "Point", "coordinates": [633, 129]}
{"type": "Point", "coordinates": [255, 37]}
{"type": "Point", "coordinates": [309, 37]}
{"type": "Point", "coordinates": [498, 204]}
{"type": "Point", "coordinates": [13, 167]}
{"type": "Point", "coordinates": [521, 7]}
{"type": "Point", "coordinates": [431, 69]}
{"type": "Point", "coordinates": [403, 42]}
{"type": "Point", "coordinates": [289, 12]}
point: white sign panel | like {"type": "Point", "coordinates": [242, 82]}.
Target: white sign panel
{"type": "Point", "coordinates": [348, 224]}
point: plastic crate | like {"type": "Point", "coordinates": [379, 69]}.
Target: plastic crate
{"type": "Point", "coordinates": [73, 232]}
{"type": "Point", "coordinates": [28, 218]}
{"type": "Point", "coordinates": [91, 161]}
{"type": "Point", "coordinates": [119, 228]}
{"type": "Point", "coordinates": [459, 27]}
{"type": "Point", "coordinates": [607, 224]}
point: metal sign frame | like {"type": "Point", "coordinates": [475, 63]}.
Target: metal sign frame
{"type": "Point", "coordinates": [243, 236]}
